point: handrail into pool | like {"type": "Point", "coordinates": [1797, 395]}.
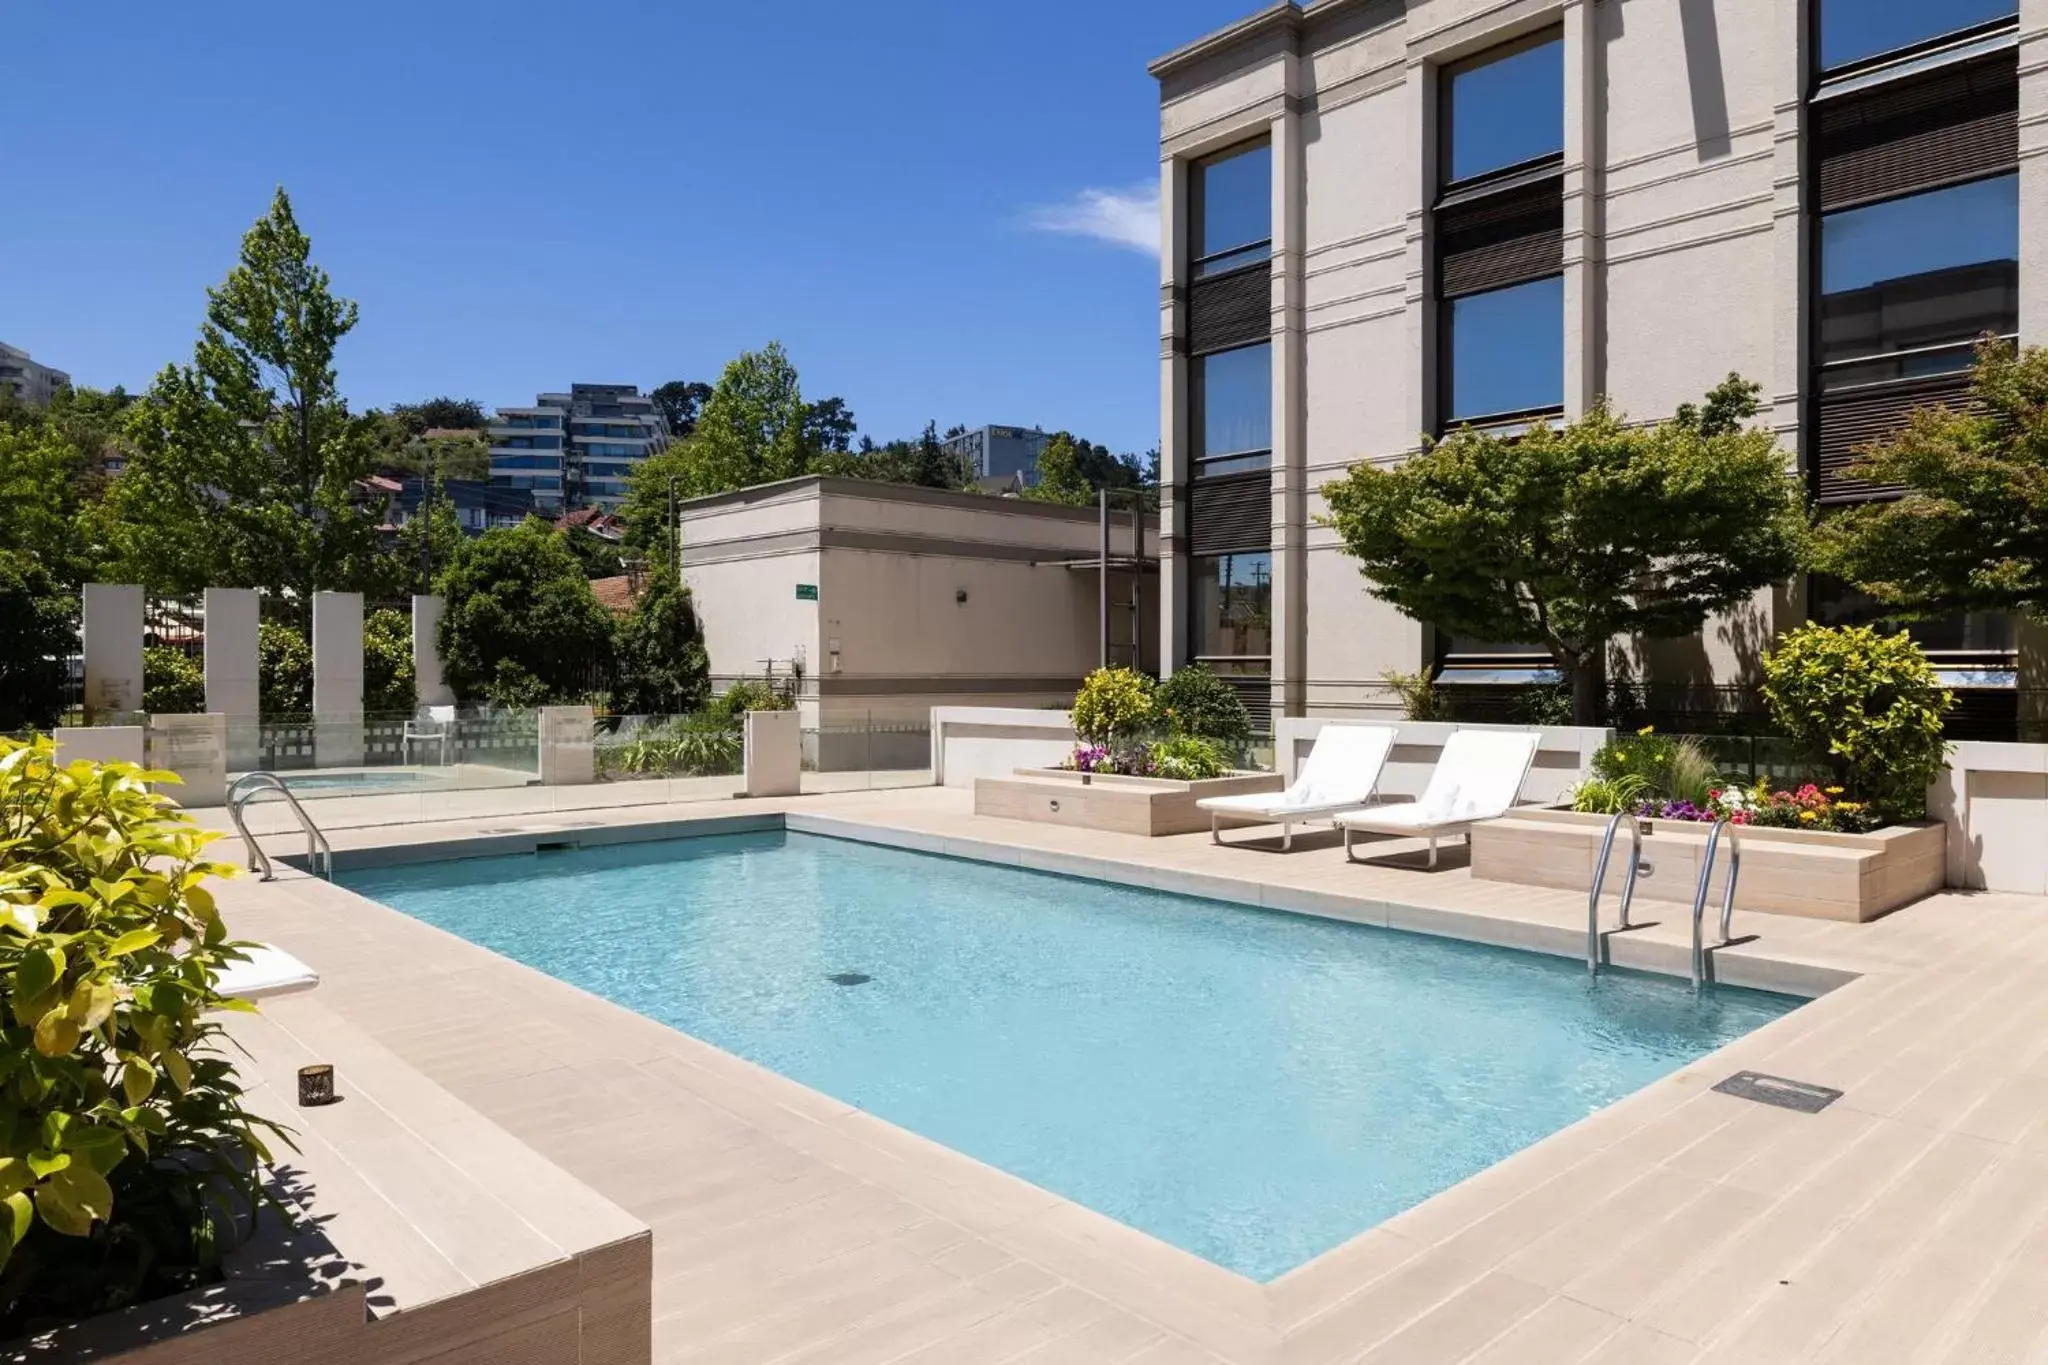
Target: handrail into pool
{"type": "Point", "coordinates": [1628, 883]}
{"type": "Point", "coordinates": [245, 789]}
{"type": "Point", "coordinates": [1699, 900]}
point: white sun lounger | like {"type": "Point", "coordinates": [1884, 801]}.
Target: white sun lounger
{"type": "Point", "coordinates": [1340, 773]}
{"type": "Point", "coordinates": [1477, 777]}
{"type": "Point", "coordinates": [267, 971]}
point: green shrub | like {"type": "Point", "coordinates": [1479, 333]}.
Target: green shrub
{"type": "Point", "coordinates": [389, 684]}
{"type": "Point", "coordinates": [126, 1156]}
{"type": "Point", "coordinates": [700, 745]}
{"type": "Point", "coordinates": [285, 670]}
{"type": "Point", "coordinates": [1868, 706]}
{"type": "Point", "coordinates": [1644, 754]}
{"type": "Point", "coordinates": [751, 694]}
{"type": "Point", "coordinates": [173, 683]}
{"type": "Point", "coordinates": [1113, 707]}
{"type": "Point", "coordinates": [1188, 758]}
{"type": "Point", "coordinates": [1610, 795]}
{"type": "Point", "coordinates": [1420, 697]}
{"type": "Point", "coordinates": [1647, 765]}
{"type": "Point", "coordinates": [1195, 702]}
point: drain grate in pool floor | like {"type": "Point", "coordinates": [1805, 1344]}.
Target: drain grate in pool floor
{"type": "Point", "coordinates": [849, 978]}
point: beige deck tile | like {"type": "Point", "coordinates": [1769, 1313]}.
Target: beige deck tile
{"type": "Point", "coordinates": [1560, 1332]}
{"type": "Point", "coordinates": [1637, 1345]}
{"type": "Point", "coordinates": [1464, 1323]}
{"type": "Point", "coordinates": [1668, 1252]}
{"type": "Point", "coordinates": [1177, 1351]}
{"type": "Point", "coordinates": [1362, 1320]}
{"type": "Point", "coordinates": [1108, 1340]}
{"type": "Point", "coordinates": [1310, 1289]}
{"type": "Point", "coordinates": [2006, 1322]}
{"type": "Point", "coordinates": [1612, 1224]}
{"type": "Point", "coordinates": [908, 1327]}
{"type": "Point", "coordinates": [728, 1338]}
{"type": "Point", "coordinates": [1024, 1327]}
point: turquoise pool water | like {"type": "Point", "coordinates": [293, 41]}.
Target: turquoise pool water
{"type": "Point", "coordinates": [1254, 1087]}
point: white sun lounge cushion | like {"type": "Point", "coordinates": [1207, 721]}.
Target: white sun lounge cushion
{"type": "Point", "coordinates": [1477, 777]}
{"type": "Point", "coordinates": [1341, 770]}
{"type": "Point", "coordinates": [267, 971]}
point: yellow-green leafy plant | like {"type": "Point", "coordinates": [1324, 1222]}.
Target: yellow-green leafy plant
{"type": "Point", "coordinates": [126, 1155]}
{"type": "Point", "coordinates": [1113, 707]}
{"type": "Point", "coordinates": [1188, 758]}
{"type": "Point", "coordinates": [1868, 705]}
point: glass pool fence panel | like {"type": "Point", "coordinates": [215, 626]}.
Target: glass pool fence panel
{"type": "Point", "coordinates": [661, 760]}
{"type": "Point", "coordinates": [862, 751]}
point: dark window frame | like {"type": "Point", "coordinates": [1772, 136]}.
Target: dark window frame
{"type": "Point", "coordinates": [1822, 77]}
{"type": "Point", "coordinates": [1210, 264]}
{"type": "Point", "coordinates": [1199, 453]}
{"type": "Point", "coordinates": [1195, 636]}
{"type": "Point", "coordinates": [1446, 124]}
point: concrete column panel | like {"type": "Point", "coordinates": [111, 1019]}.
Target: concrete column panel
{"type": "Point", "coordinates": [427, 611]}
{"type": "Point", "coordinates": [1174, 469]}
{"type": "Point", "coordinates": [234, 686]}
{"type": "Point", "coordinates": [568, 746]}
{"type": "Point", "coordinates": [1290, 411]}
{"type": "Point", "coordinates": [113, 649]}
{"type": "Point", "coordinates": [1789, 228]}
{"type": "Point", "coordinates": [1583, 257]}
{"type": "Point", "coordinates": [196, 749]}
{"type": "Point", "coordinates": [337, 679]}
{"type": "Point", "coordinates": [2033, 171]}
{"type": "Point", "coordinates": [1419, 263]}
{"type": "Point", "coordinates": [101, 744]}
{"type": "Point", "coordinates": [774, 753]}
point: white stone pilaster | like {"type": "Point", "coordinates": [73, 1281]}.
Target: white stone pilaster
{"type": "Point", "coordinates": [1290, 406]}
{"type": "Point", "coordinates": [113, 650]}
{"type": "Point", "coordinates": [2034, 172]}
{"type": "Point", "coordinates": [1174, 467]}
{"type": "Point", "coordinates": [433, 689]}
{"type": "Point", "coordinates": [337, 679]}
{"type": "Point", "coordinates": [234, 687]}
{"type": "Point", "coordinates": [1584, 366]}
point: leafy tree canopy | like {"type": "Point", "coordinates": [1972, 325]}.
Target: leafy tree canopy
{"type": "Point", "coordinates": [924, 462]}
{"type": "Point", "coordinates": [441, 414]}
{"type": "Point", "coordinates": [53, 473]}
{"type": "Point", "coordinates": [1061, 477]}
{"type": "Point", "coordinates": [1971, 532]}
{"type": "Point", "coordinates": [1571, 536]}
{"type": "Point", "coordinates": [37, 638]}
{"type": "Point", "coordinates": [521, 626]}
{"type": "Point", "coordinates": [680, 401]}
{"type": "Point", "coordinates": [245, 461]}
{"type": "Point", "coordinates": [662, 666]}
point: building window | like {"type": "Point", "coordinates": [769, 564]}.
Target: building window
{"type": "Point", "coordinates": [1919, 279]}
{"type": "Point", "coordinates": [1505, 351]}
{"type": "Point", "coordinates": [1230, 210]}
{"type": "Point", "coordinates": [1504, 110]}
{"type": "Point", "coordinates": [1233, 610]}
{"type": "Point", "coordinates": [1232, 393]}
{"type": "Point", "coordinates": [1978, 633]}
{"type": "Point", "coordinates": [1857, 30]}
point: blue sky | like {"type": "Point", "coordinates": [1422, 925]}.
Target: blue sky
{"type": "Point", "coordinates": [940, 209]}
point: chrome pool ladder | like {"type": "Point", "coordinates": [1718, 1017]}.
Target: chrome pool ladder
{"type": "Point", "coordinates": [246, 788]}
{"type": "Point", "coordinates": [1628, 882]}
{"type": "Point", "coordinates": [1699, 900]}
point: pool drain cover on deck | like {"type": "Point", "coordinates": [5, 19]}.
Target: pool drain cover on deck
{"type": "Point", "coordinates": [1776, 1090]}
{"type": "Point", "coordinates": [849, 978]}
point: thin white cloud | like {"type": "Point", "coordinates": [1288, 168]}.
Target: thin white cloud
{"type": "Point", "coordinates": [1126, 218]}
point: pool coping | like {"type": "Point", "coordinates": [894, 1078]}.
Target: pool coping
{"type": "Point", "coordinates": [1463, 1256]}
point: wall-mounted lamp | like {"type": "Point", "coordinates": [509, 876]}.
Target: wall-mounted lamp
{"type": "Point", "coordinates": [960, 597]}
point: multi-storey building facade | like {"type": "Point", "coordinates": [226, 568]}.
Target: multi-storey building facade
{"type": "Point", "coordinates": [26, 381]}
{"type": "Point", "coordinates": [576, 449]}
{"type": "Point", "coordinates": [1387, 219]}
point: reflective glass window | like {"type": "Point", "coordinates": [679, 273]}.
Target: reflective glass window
{"type": "Point", "coordinates": [1504, 110]}
{"type": "Point", "coordinates": [1233, 604]}
{"type": "Point", "coordinates": [1230, 207]}
{"type": "Point", "coordinates": [1851, 30]}
{"type": "Point", "coordinates": [1506, 350]}
{"type": "Point", "coordinates": [1925, 270]}
{"type": "Point", "coordinates": [1232, 393]}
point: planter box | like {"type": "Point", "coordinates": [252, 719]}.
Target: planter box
{"type": "Point", "coordinates": [1149, 806]}
{"type": "Point", "coordinates": [1852, 877]}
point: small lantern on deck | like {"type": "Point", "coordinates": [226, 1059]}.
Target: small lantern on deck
{"type": "Point", "coordinates": [316, 1084]}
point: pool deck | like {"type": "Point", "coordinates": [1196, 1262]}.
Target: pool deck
{"type": "Point", "coordinates": [1906, 1222]}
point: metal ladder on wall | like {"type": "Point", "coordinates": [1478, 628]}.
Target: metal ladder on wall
{"type": "Point", "coordinates": [246, 788]}
{"type": "Point", "coordinates": [1709, 856]}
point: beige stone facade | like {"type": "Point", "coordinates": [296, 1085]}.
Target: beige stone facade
{"type": "Point", "coordinates": [1687, 214]}
{"type": "Point", "coordinates": [894, 600]}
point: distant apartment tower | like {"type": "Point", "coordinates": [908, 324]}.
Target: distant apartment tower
{"type": "Point", "coordinates": [998, 452]}
{"type": "Point", "coordinates": [27, 381]}
{"type": "Point", "coordinates": [576, 449]}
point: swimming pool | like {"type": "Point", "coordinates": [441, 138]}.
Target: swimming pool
{"type": "Point", "coordinates": [1251, 1086]}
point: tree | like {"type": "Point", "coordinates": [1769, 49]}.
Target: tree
{"type": "Point", "coordinates": [521, 626]}
{"type": "Point", "coordinates": [390, 685]}
{"type": "Point", "coordinates": [924, 462]}
{"type": "Point", "coordinates": [1061, 478]}
{"type": "Point", "coordinates": [246, 461]}
{"type": "Point", "coordinates": [1971, 532]}
{"type": "Point", "coordinates": [662, 666]}
{"type": "Point", "coordinates": [429, 539]}
{"type": "Point", "coordinates": [1569, 537]}
{"type": "Point", "coordinates": [680, 401]}
{"type": "Point", "coordinates": [53, 475]}
{"type": "Point", "coordinates": [750, 431]}
{"type": "Point", "coordinates": [441, 414]}
{"type": "Point", "coordinates": [828, 425]}
{"type": "Point", "coordinates": [38, 636]}
{"type": "Point", "coordinates": [284, 668]}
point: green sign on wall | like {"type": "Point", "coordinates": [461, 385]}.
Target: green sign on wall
{"type": "Point", "coordinates": [807, 592]}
